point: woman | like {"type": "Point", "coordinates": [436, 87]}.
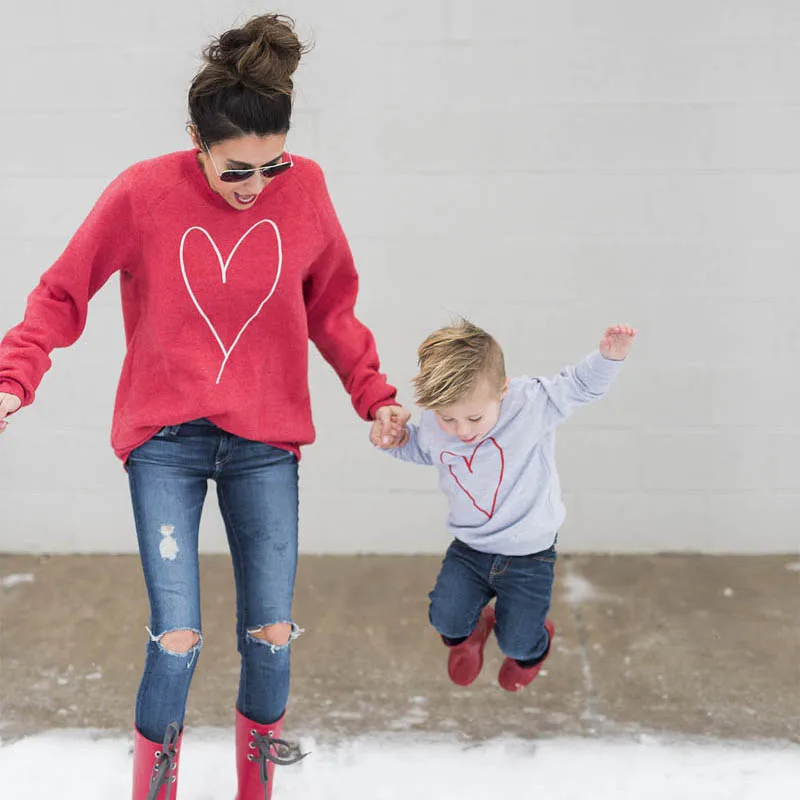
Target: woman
{"type": "Point", "coordinates": [231, 258]}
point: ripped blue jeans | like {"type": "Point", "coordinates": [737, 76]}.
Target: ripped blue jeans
{"type": "Point", "coordinates": [257, 493]}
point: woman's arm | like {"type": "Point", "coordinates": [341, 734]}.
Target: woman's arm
{"type": "Point", "coordinates": [330, 291]}
{"type": "Point", "coordinates": [57, 308]}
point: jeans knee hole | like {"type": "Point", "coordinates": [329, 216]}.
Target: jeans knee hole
{"type": "Point", "coordinates": [179, 642]}
{"type": "Point", "coordinates": [259, 634]}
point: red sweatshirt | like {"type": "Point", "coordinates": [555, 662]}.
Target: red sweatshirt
{"type": "Point", "coordinates": [219, 304]}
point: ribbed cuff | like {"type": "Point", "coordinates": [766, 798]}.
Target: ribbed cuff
{"type": "Point", "coordinates": [597, 362]}
{"type": "Point", "coordinates": [389, 401]}
{"type": "Point", "coordinates": [9, 386]}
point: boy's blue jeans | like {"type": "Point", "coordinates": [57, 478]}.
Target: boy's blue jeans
{"type": "Point", "coordinates": [469, 579]}
{"type": "Point", "coordinates": [257, 493]}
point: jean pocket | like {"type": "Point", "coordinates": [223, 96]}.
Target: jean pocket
{"type": "Point", "coordinates": [549, 556]}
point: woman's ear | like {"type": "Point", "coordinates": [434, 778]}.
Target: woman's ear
{"type": "Point", "coordinates": [194, 135]}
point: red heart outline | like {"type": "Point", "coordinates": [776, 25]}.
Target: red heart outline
{"type": "Point", "coordinates": [468, 464]}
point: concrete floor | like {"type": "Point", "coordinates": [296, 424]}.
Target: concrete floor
{"type": "Point", "coordinates": [691, 645]}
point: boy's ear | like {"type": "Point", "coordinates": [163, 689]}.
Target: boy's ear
{"type": "Point", "coordinates": [505, 389]}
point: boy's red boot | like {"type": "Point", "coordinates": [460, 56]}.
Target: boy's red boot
{"type": "Point", "coordinates": [513, 677]}
{"type": "Point", "coordinates": [155, 766]}
{"type": "Point", "coordinates": [258, 749]}
{"type": "Point", "coordinates": [466, 659]}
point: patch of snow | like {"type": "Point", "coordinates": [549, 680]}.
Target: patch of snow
{"type": "Point", "coordinates": [82, 765]}
{"type": "Point", "coordinates": [344, 715]}
{"type": "Point", "coordinates": [9, 581]}
{"type": "Point", "coordinates": [578, 589]}
{"type": "Point", "coordinates": [416, 716]}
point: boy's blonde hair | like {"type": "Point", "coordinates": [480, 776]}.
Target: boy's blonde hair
{"type": "Point", "coordinates": [451, 362]}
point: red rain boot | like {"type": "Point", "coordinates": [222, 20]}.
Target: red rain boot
{"type": "Point", "coordinates": [466, 659]}
{"type": "Point", "coordinates": [513, 677]}
{"type": "Point", "coordinates": [155, 766]}
{"type": "Point", "coordinates": [258, 749]}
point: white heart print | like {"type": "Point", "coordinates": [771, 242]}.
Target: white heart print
{"type": "Point", "coordinates": [223, 265]}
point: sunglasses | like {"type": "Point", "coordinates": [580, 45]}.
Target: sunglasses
{"type": "Point", "coordinates": [238, 175]}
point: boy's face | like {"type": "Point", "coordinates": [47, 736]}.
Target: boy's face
{"type": "Point", "coordinates": [473, 417]}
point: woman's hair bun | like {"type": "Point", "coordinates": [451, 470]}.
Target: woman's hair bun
{"type": "Point", "coordinates": [263, 54]}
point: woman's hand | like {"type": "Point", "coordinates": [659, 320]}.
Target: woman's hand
{"type": "Point", "coordinates": [389, 427]}
{"type": "Point", "coordinates": [9, 403]}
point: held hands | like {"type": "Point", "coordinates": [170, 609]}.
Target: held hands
{"type": "Point", "coordinates": [389, 427]}
{"type": "Point", "coordinates": [617, 341]}
{"type": "Point", "coordinates": [9, 403]}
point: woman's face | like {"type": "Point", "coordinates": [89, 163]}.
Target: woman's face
{"type": "Point", "coordinates": [245, 152]}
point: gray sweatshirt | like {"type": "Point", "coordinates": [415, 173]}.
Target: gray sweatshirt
{"type": "Point", "coordinates": [504, 492]}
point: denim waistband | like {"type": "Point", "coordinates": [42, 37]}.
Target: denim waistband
{"type": "Point", "coordinates": [194, 426]}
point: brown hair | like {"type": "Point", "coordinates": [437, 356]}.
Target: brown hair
{"type": "Point", "coordinates": [451, 362]}
{"type": "Point", "coordinates": [245, 86]}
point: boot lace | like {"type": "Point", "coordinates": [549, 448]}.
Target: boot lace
{"type": "Point", "coordinates": [166, 764]}
{"type": "Point", "coordinates": [274, 750]}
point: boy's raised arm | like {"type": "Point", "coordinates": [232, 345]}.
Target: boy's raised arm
{"type": "Point", "coordinates": [555, 399]}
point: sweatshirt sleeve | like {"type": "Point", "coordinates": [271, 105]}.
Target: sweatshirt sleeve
{"type": "Point", "coordinates": [56, 311]}
{"type": "Point", "coordinates": [330, 291]}
{"type": "Point", "coordinates": [415, 449]}
{"type": "Point", "coordinates": [552, 400]}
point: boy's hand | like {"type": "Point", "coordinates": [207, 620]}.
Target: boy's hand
{"type": "Point", "coordinates": [389, 427]}
{"type": "Point", "coordinates": [617, 341]}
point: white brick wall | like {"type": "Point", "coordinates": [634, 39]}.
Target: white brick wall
{"type": "Point", "coordinates": [544, 167]}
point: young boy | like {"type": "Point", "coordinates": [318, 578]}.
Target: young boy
{"type": "Point", "coordinates": [493, 442]}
